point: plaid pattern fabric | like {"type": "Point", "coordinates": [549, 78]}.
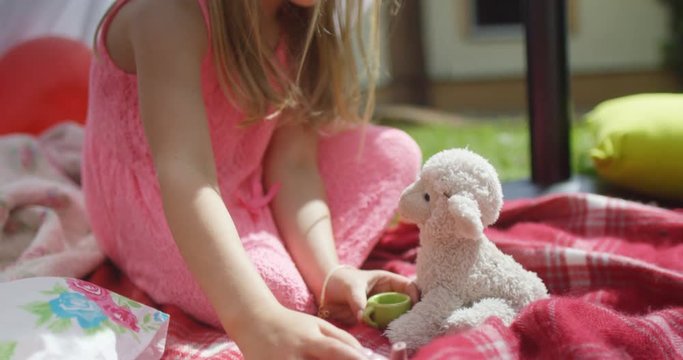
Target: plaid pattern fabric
{"type": "Point", "coordinates": [615, 272]}
{"type": "Point", "coordinates": [614, 269]}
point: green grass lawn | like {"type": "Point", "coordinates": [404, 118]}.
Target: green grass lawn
{"type": "Point", "coordinates": [504, 142]}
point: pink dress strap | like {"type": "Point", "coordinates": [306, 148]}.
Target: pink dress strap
{"type": "Point", "coordinates": [204, 6]}
{"type": "Point", "coordinates": [114, 9]}
{"type": "Point", "coordinates": [108, 17]}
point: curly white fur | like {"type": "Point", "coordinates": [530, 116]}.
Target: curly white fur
{"type": "Point", "coordinates": [463, 276]}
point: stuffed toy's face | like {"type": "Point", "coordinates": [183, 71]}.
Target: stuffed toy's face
{"type": "Point", "coordinates": [456, 188]}
{"type": "Point", "coordinates": [455, 211]}
{"type": "Point", "coordinates": [415, 204]}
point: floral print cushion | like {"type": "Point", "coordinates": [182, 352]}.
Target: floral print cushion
{"type": "Point", "coordinates": [48, 317]}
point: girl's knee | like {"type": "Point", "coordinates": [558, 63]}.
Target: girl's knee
{"type": "Point", "coordinates": [373, 155]}
{"type": "Point", "coordinates": [397, 150]}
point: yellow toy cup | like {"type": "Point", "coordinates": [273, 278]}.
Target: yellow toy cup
{"type": "Point", "coordinates": [384, 308]}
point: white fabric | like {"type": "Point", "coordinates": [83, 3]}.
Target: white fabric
{"type": "Point", "coordinates": [26, 19]}
{"type": "Point", "coordinates": [61, 318]}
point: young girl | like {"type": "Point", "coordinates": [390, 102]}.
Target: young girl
{"type": "Point", "coordinates": [224, 174]}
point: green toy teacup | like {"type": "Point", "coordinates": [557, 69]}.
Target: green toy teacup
{"type": "Point", "coordinates": [384, 308]}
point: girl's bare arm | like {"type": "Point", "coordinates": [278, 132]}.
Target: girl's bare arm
{"type": "Point", "coordinates": [300, 208]}
{"type": "Point", "coordinates": [169, 46]}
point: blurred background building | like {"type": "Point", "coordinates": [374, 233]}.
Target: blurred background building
{"type": "Point", "coordinates": [468, 56]}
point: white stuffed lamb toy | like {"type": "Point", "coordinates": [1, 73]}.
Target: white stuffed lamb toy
{"type": "Point", "coordinates": [463, 276]}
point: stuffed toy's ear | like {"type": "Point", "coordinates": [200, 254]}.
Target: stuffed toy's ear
{"type": "Point", "coordinates": [466, 215]}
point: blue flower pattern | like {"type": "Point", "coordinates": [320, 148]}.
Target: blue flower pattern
{"type": "Point", "coordinates": [160, 317]}
{"type": "Point", "coordinates": [76, 305]}
{"type": "Point", "coordinates": [89, 314]}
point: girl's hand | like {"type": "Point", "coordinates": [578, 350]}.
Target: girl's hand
{"type": "Point", "coordinates": [281, 333]}
{"type": "Point", "coordinates": [348, 290]}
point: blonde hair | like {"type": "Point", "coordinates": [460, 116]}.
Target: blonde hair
{"type": "Point", "coordinates": [321, 83]}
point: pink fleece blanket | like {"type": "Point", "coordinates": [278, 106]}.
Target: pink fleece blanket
{"type": "Point", "coordinates": [43, 225]}
{"type": "Point", "coordinates": [614, 268]}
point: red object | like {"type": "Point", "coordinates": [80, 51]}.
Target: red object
{"type": "Point", "coordinates": [43, 81]}
{"type": "Point", "coordinates": [399, 351]}
{"type": "Point", "coordinates": [614, 269]}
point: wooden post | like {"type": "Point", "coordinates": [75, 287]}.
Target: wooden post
{"type": "Point", "coordinates": [548, 90]}
{"type": "Point", "coordinates": [408, 76]}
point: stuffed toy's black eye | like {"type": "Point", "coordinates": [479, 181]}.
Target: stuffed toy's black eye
{"type": "Point", "coordinates": [426, 197]}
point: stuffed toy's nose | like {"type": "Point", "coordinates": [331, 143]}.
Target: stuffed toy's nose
{"type": "Point", "coordinates": [413, 206]}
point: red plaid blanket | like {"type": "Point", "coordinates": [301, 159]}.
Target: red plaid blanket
{"type": "Point", "coordinates": [614, 269]}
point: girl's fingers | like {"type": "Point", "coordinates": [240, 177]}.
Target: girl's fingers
{"type": "Point", "coordinates": [341, 313]}
{"type": "Point", "coordinates": [349, 308]}
{"type": "Point", "coordinates": [358, 299]}
{"type": "Point", "coordinates": [388, 281]}
{"type": "Point", "coordinates": [330, 348]}
{"type": "Point", "coordinates": [413, 292]}
{"type": "Point", "coordinates": [332, 331]}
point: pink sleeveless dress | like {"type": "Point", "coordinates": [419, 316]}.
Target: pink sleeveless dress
{"type": "Point", "coordinates": [124, 202]}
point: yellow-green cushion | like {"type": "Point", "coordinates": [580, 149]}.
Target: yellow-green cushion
{"type": "Point", "coordinates": [639, 143]}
